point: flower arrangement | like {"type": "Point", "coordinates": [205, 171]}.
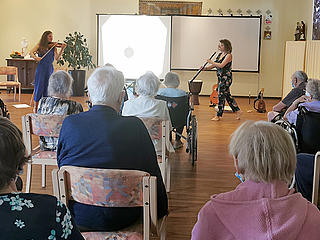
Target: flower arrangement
{"type": "Point", "coordinates": [15, 54]}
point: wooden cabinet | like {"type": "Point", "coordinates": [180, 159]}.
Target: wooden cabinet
{"type": "Point", "coordinates": [27, 70]}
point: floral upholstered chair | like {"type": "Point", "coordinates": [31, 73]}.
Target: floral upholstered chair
{"type": "Point", "coordinates": [40, 125]}
{"type": "Point", "coordinates": [159, 132]}
{"type": "Point", "coordinates": [111, 188]}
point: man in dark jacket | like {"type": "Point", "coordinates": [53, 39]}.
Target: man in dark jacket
{"type": "Point", "coordinates": [101, 138]}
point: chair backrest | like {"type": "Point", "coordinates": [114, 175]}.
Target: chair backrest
{"type": "Point", "coordinates": [178, 109]}
{"type": "Point", "coordinates": [154, 127]}
{"type": "Point", "coordinates": [109, 188]}
{"type": "Point", "coordinates": [159, 130]}
{"type": "Point", "coordinates": [9, 71]}
{"type": "Point", "coordinates": [102, 187]}
{"type": "Point", "coordinates": [316, 179]}
{"type": "Point", "coordinates": [40, 125]}
{"type": "Point", "coordinates": [308, 131]}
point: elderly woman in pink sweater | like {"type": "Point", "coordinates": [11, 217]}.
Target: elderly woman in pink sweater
{"type": "Point", "coordinates": [261, 207]}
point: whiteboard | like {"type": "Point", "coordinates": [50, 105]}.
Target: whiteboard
{"type": "Point", "coordinates": [195, 38]}
{"type": "Point", "coordinates": [135, 44]}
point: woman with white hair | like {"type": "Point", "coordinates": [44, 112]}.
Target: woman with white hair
{"type": "Point", "coordinates": [262, 206]}
{"type": "Point", "coordinates": [145, 105]}
{"type": "Point", "coordinates": [311, 101]}
{"type": "Point", "coordinates": [57, 103]}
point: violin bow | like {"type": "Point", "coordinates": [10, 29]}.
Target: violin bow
{"type": "Point", "coordinates": [201, 69]}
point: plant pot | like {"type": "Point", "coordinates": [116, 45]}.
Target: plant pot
{"type": "Point", "coordinates": [79, 78]}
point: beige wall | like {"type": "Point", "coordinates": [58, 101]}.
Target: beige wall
{"type": "Point", "coordinates": [62, 17]}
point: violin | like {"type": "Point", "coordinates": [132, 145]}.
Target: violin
{"type": "Point", "coordinates": [55, 44]}
{"type": "Point", "coordinates": [259, 104]}
{"type": "Point", "coordinates": [214, 95]}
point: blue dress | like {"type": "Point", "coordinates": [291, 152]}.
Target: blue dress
{"type": "Point", "coordinates": [43, 73]}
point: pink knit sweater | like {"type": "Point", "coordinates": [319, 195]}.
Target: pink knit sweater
{"type": "Point", "coordinates": [258, 211]}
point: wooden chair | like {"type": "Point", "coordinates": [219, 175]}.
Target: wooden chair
{"type": "Point", "coordinates": [316, 178]}
{"type": "Point", "coordinates": [40, 125]}
{"type": "Point", "coordinates": [12, 84]}
{"type": "Point", "coordinates": [159, 131]}
{"type": "Point", "coordinates": [112, 188]}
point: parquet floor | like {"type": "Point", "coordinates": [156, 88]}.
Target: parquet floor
{"type": "Point", "coordinates": [191, 186]}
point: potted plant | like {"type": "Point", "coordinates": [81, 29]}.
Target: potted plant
{"type": "Point", "coordinates": [77, 56]}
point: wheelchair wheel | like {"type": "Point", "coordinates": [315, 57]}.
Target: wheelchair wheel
{"type": "Point", "coordinates": [194, 140]}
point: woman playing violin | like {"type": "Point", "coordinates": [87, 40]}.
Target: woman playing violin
{"type": "Point", "coordinates": [223, 65]}
{"type": "Point", "coordinates": [47, 52]}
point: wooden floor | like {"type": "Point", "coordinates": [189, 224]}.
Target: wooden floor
{"type": "Point", "coordinates": [191, 186]}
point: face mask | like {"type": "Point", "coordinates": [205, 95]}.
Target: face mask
{"type": "Point", "coordinates": [308, 94]}
{"type": "Point", "coordinates": [293, 85]}
{"type": "Point", "coordinates": [238, 176]}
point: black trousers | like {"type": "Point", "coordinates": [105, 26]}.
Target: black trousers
{"type": "Point", "coordinates": [304, 174]}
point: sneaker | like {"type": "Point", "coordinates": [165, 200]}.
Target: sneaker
{"type": "Point", "coordinates": [177, 144]}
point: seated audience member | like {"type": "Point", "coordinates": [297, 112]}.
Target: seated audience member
{"type": "Point", "coordinates": [311, 101]}
{"type": "Point", "coordinates": [299, 81]}
{"type": "Point", "coordinates": [145, 105]}
{"type": "Point", "coordinates": [59, 90]}
{"type": "Point", "coordinates": [172, 82]}
{"type": "Point", "coordinates": [304, 174]}
{"type": "Point", "coordinates": [262, 207]}
{"type": "Point", "coordinates": [101, 138]}
{"type": "Point", "coordinates": [27, 215]}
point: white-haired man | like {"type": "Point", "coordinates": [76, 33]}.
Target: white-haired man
{"type": "Point", "coordinates": [101, 138]}
{"type": "Point", "coordinates": [299, 81]}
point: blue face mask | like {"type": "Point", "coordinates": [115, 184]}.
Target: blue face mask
{"type": "Point", "coordinates": [238, 176]}
{"type": "Point", "coordinates": [293, 85]}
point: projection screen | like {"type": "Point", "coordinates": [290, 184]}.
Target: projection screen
{"type": "Point", "coordinates": [135, 44]}
{"type": "Point", "coordinates": [194, 39]}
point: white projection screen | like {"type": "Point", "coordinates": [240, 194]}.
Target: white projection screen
{"type": "Point", "coordinates": [194, 39]}
{"type": "Point", "coordinates": [135, 44]}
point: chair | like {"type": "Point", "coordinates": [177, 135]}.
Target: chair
{"type": "Point", "coordinates": [40, 125]}
{"type": "Point", "coordinates": [12, 84]}
{"type": "Point", "coordinates": [159, 132]}
{"type": "Point", "coordinates": [96, 187]}
{"type": "Point", "coordinates": [316, 174]}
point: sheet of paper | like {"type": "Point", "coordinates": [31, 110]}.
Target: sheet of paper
{"type": "Point", "coordinates": [21, 106]}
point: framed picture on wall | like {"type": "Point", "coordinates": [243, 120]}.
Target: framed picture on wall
{"type": "Point", "coordinates": [169, 8]}
{"type": "Point", "coordinates": [267, 35]}
{"type": "Point", "coordinates": [316, 20]}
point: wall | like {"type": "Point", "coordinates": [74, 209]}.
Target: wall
{"type": "Point", "coordinates": [63, 17]}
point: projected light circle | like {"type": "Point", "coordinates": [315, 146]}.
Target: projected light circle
{"type": "Point", "coordinates": [134, 44]}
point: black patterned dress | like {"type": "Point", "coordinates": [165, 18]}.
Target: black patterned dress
{"type": "Point", "coordinates": [224, 82]}
{"type": "Point", "coordinates": [28, 216]}
{"type": "Point", "coordinates": [56, 106]}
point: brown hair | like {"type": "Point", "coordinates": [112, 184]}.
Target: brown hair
{"type": "Point", "coordinates": [44, 43]}
{"type": "Point", "coordinates": [12, 152]}
{"type": "Point", "coordinates": [227, 45]}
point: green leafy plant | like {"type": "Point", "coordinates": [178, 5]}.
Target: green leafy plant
{"type": "Point", "coordinates": [76, 53]}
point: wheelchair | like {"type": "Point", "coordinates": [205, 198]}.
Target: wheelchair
{"type": "Point", "coordinates": [305, 133]}
{"type": "Point", "coordinates": [181, 114]}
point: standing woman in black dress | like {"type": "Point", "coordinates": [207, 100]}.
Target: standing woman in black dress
{"type": "Point", "coordinates": [223, 65]}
